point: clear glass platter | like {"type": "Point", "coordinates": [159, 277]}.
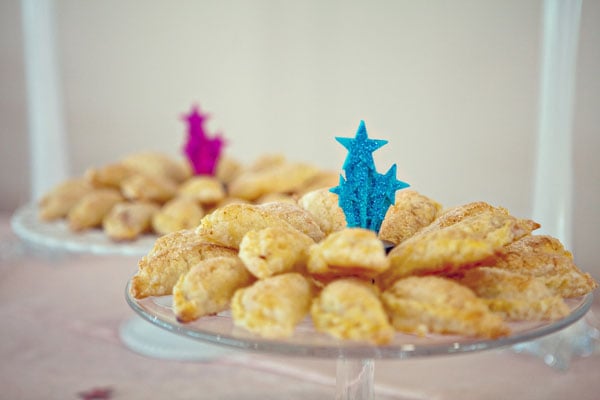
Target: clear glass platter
{"type": "Point", "coordinates": [306, 342]}
{"type": "Point", "coordinates": [355, 360]}
{"type": "Point", "coordinates": [56, 235]}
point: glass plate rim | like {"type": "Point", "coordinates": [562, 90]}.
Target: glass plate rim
{"type": "Point", "coordinates": [357, 350]}
{"type": "Point", "coordinates": [55, 235]}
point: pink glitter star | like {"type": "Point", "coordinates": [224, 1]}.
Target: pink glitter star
{"type": "Point", "coordinates": [96, 394]}
{"type": "Point", "coordinates": [202, 151]}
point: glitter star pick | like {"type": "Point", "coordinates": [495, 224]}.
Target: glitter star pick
{"type": "Point", "coordinates": [364, 194]}
{"type": "Point", "coordinates": [203, 152]}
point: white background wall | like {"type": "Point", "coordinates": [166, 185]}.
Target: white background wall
{"type": "Point", "coordinates": [452, 85]}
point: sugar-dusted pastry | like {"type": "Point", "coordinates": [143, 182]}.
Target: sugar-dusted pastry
{"type": "Point", "coordinates": [456, 214]}
{"type": "Point", "coordinates": [545, 257]}
{"type": "Point", "coordinates": [276, 197]}
{"type": "Point", "coordinates": [272, 251]}
{"type": "Point", "coordinates": [351, 309]}
{"type": "Point", "coordinates": [158, 165]}
{"type": "Point", "coordinates": [177, 214]}
{"type": "Point", "coordinates": [206, 190]}
{"type": "Point", "coordinates": [148, 188]}
{"type": "Point", "coordinates": [172, 255]}
{"type": "Point", "coordinates": [58, 202]}
{"type": "Point", "coordinates": [431, 304]}
{"type": "Point", "coordinates": [228, 225]}
{"type": "Point", "coordinates": [272, 307]}
{"type": "Point", "coordinates": [128, 220]}
{"type": "Point", "coordinates": [207, 288]}
{"type": "Point", "coordinates": [516, 297]}
{"type": "Point", "coordinates": [286, 177]}
{"type": "Point", "coordinates": [110, 175]}
{"type": "Point", "coordinates": [228, 169]}
{"type": "Point", "coordinates": [91, 208]}
{"type": "Point", "coordinates": [349, 252]}
{"type": "Point", "coordinates": [411, 212]}
{"type": "Point", "coordinates": [472, 241]}
{"type": "Point", "coordinates": [323, 206]}
{"type": "Point", "coordinates": [296, 216]}
{"type": "Point", "coordinates": [323, 179]}
{"type": "Point", "coordinates": [265, 162]}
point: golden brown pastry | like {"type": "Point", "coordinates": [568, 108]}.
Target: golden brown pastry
{"type": "Point", "coordinates": [432, 304]}
{"type": "Point", "coordinates": [296, 216]}
{"type": "Point", "coordinates": [349, 252]}
{"type": "Point", "coordinates": [227, 169]}
{"type": "Point", "coordinates": [272, 307]}
{"type": "Point", "coordinates": [265, 162]}
{"type": "Point", "coordinates": [411, 212]}
{"type": "Point", "coordinates": [126, 221]}
{"type": "Point", "coordinates": [207, 288]}
{"type": "Point", "coordinates": [452, 248]}
{"type": "Point", "coordinates": [323, 179]}
{"type": "Point", "coordinates": [206, 190]}
{"type": "Point", "coordinates": [172, 255]}
{"type": "Point", "coordinates": [177, 214]}
{"type": "Point", "coordinates": [157, 164]}
{"type": "Point", "coordinates": [228, 225]}
{"type": "Point", "coordinates": [111, 175]}
{"type": "Point", "coordinates": [516, 297]}
{"type": "Point", "coordinates": [323, 206]}
{"type": "Point", "coordinates": [545, 257]}
{"type": "Point", "coordinates": [286, 177]}
{"type": "Point", "coordinates": [456, 214]}
{"type": "Point", "coordinates": [58, 202]}
{"type": "Point", "coordinates": [351, 309]}
{"type": "Point", "coordinates": [148, 188]}
{"type": "Point", "coordinates": [91, 209]}
{"type": "Point", "coordinates": [275, 197]}
{"type": "Point", "coordinates": [272, 251]}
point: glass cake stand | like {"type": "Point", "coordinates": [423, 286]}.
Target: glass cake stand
{"type": "Point", "coordinates": [355, 360]}
{"type": "Point", "coordinates": [137, 334]}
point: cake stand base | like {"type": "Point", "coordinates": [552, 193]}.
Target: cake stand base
{"type": "Point", "coordinates": [354, 379]}
{"type": "Point", "coordinates": [150, 340]}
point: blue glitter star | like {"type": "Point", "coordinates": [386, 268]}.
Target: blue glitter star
{"type": "Point", "coordinates": [364, 194]}
{"type": "Point", "coordinates": [360, 148]}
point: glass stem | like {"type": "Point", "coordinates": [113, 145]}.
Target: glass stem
{"type": "Point", "coordinates": [354, 380]}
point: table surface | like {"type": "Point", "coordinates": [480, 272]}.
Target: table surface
{"type": "Point", "coordinates": [59, 339]}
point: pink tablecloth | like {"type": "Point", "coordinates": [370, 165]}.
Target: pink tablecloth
{"type": "Point", "coordinates": [61, 314]}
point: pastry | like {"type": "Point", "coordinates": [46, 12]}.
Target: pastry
{"type": "Point", "coordinates": [286, 177]}
{"type": "Point", "coordinates": [323, 206]}
{"type": "Point", "coordinates": [272, 251]}
{"type": "Point", "coordinates": [172, 255]}
{"type": "Point", "coordinates": [351, 309]}
{"type": "Point", "coordinates": [111, 175]}
{"type": "Point", "coordinates": [411, 212]}
{"type": "Point", "coordinates": [91, 208]}
{"type": "Point", "coordinates": [449, 249]}
{"type": "Point", "coordinates": [272, 307]}
{"type": "Point", "coordinates": [296, 216]}
{"type": "Point", "coordinates": [205, 190]}
{"type": "Point", "coordinates": [349, 252]}
{"type": "Point", "coordinates": [126, 221]}
{"type": "Point", "coordinates": [148, 188]}
{"type": "Point", "coordinates": [58, 202]}
{"type": "Point", "coordinates": [516, 297]}
{"type": "Point", "coordinates": [158, 165]}
{"type": "Point", "coordinates": [177, 214]}
{"type": "Point", "coordinates": [228, 225]}
{"type": "Point", "coordinates": [545, 257]}
{"type": "Point", "coordinates": [432, 304]}
{"type": "Point", "coordinates": [208, 286]}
